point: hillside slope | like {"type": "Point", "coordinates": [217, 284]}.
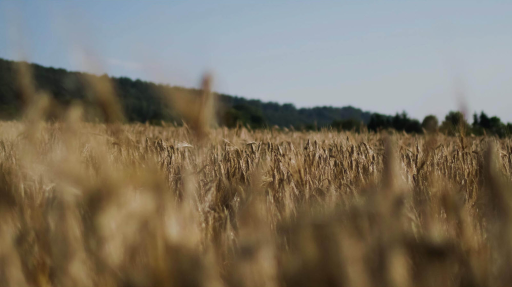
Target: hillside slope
{"type": "Point", "coordinates": [142, 101]}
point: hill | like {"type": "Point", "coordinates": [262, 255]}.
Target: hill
{"type": "Point", "coordinates": [142, 101]}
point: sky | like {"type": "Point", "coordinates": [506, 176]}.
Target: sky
{"type": "Point", "coordinates": [422, 57]}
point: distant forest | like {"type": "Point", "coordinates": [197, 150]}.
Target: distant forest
{"type": "Point", "coordinates": [142, 101]}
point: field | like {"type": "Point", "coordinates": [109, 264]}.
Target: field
{"type": "Point", "coordinates": [136, 205]}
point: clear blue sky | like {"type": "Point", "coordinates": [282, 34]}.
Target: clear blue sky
{"type": "Point", "coordinates": [386, 56]}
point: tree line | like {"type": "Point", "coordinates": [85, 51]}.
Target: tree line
{"type": "Point", "coordinates": [453, 124]}
{"type": "Point", "coordinates": [143, 101]}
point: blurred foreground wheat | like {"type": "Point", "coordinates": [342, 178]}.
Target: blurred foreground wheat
{"type": "Point", "coordinates": [81, 205]}
{"type": "Point", "coordinates": [120, 204]}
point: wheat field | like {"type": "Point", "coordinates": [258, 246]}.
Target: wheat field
{"type": "Point", "coordinates": [85, 204]}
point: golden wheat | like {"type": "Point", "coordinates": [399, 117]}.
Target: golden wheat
{"type": "Point", "coordinates": [153, 206]}
{"type": "Point", "coordinates": [116, 204]}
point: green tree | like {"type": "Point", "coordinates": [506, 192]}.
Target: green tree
{"type": "Point", "coordinates": [430, 124]}
{"type": "Point", "coordinates": [347, 125]}
{"type": "Point", "coordinates": [454, 123]}
{"type": "Point", "coordinates": [245, 115]}
{"type": "Point", "coordinates": [489, 125]}
{"type": "Point", "coordinates": [379, 122]}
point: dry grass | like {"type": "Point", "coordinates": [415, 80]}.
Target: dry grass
{"type": "Point", "coordinates": [88, 205]}
{"type": "Point", "coordinates": [114, 204]}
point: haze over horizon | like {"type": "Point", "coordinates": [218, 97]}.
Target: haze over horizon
{"type": "Point", "coordinates": [424, 58]}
